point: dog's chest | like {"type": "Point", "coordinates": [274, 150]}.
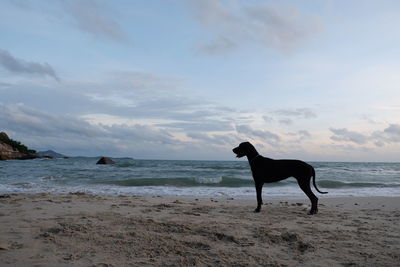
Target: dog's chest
{"type": "Point", "coordinates": [262, 167]}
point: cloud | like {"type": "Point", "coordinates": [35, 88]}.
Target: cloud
{"type": "Point", "coordinates": [273, 26]}
{"type": "Point", "coordinates": [90, 18]}
{"type": "Point", "coordinates": [201, 125]}
{"type": "Point", "coordinates": [26, 120]}
{"type": "Point", "coordinates": [221, 139]}
{"type": "Point", "coordinates": [267, 119]}
{"type": "Point", "coordinates": [304, 134]}
{"type": "Point", "coordinates": [70, 133]}
{"type": "Point", "coordinates": [293, 141]}
{"type": "Point", "coordinates": [304, 113]}
{"type": "Point", "coordinates": [393, 132]}
{"type": "Point", "coordinates": [348, 136]}
{"type": "Point", "coordinates": [152, 96]}
{"type": "Point", "coordinates": [300, 136]}
{"type": "Point", "coordinates": [20, 66]}
{"type": "Point", "coordinates": [369, 119]}
{"type": "Point", "coordinates": [265, 136]}
{"type": "Point", "coordinates": [220, 46]}
{"type": "Point", "coordinates": [74, 135]}
{"type": "Point", "coordinates": [287, 116]}
{"type": "Point", "coordinates": [286, 121]}
{"type": "Point", "coordinates": [133, 95]}
{"type": "Point", "coordinates": [389, 135]}
{"type": "Point", "coordinates": [5, 85]}
{"type": "Point", "coordinates": [348, 148]}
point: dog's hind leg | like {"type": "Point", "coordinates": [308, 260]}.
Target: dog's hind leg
{"type": "Point", "coordinates": [259, 196]}
{"type": "Point", "coordinates": [304, 183]}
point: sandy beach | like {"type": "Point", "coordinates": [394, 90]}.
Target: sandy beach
{"type": "Point", "coordinates": [91, 230]}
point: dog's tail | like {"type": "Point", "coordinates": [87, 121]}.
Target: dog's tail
{"type": "Point", "coordinates": [315, 185]}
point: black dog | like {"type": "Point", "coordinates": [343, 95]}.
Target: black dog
{"type": "Point", "coordinates": [266, 170]}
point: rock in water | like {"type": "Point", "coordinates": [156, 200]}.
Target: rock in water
{"type": "Point", "coordinates": [105, 160]}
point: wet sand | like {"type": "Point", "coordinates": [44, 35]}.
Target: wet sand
{"type": "Point", "coordinates": [92, 230]}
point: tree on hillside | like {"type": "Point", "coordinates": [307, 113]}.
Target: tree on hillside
{"type": "Point", "coordinates": [15, 144]}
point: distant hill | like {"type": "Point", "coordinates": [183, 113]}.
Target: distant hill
{"type": "Point", "coordinates": [50, 154]}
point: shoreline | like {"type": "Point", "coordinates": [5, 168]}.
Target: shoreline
{"type": "Point", "coordinates": [99, 230]}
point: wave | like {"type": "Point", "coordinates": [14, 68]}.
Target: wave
{"type": "Point", "coordinates": [183, 182]}
{"type": "Point", "coordinates": [337, 184]}
{"type": "Point", "coordinates": [235, 182]}
{"type": "Point", "coordinates": [156, 164]}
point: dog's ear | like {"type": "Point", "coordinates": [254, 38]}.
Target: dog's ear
{"type": "Point", "coordinates": [248, 147]}
{"type": "Point", "coordinates": [245, 146]}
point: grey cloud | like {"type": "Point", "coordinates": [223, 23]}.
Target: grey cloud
{"type": "Point", "coordinates": [287, 116]}
{"type": "Point", "coordinates": [296, 138]}
{"type": "Point", "coordinates": [348, 136]}
{"type": "Point", "coordinates": [183, 112]}
{"type": "Point", "coordinates": [146, 95]}
{"type": "Point", "coordinates": [282, 27]}
{"type": "Point", "coordinates": [5, 85]}
{"type": "Point", "coordinates": [206, 124]}
{"type": "Point", "coordinates": [226, 109]}
{"type": "Point", "coordinates": [20, 66]}
{"type": "Point", "coordinates": [304, 113]}
{"type": "Point", "coordinates": [213, 139]}
{"type": "Point", "coordinates": [304, 134]}
{"type": "Point", "coordinates": [91, 18]}
{"type": "Point", "coordinates": [219, 46]}
{"type": "Point", "coordinates": [379, 143]}
{"type": "Point", "coordinates": [266, 136]}
{"type": "Point", "coordinates": [144, 81]}
{"type": "Point", "coordinates": [347, 147]}
{"type": "Point", "coordinates": [74, 134]}
{"type": "Point", "coordinates": [268, 118]}
{"type": "Point", "coordinates": [369, 119]}
{"type": "Point", "coordinates": [66, 97]}
{"type": "Point", "coordinates": [275, 26]}
{"type": "Point", "coordinates": [24, 4]}
{"type": "Point", "coordinates": [23, 119]}
{"type": "Point", "coordinates": [393, 132]}
{"type": "Point", "coordinates": [122, 98]}
{"type": "Point", "coordinates": [140, 133]}
{"type": "Point", "coordinates": [286, 121]}
{"type": "Point", "coordinates": [390, 134]}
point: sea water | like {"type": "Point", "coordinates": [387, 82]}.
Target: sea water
{"type": "Point", "coordinates": [231, 179]}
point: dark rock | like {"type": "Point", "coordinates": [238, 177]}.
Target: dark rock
{"type": "Point", "coordinates": [105, 160]}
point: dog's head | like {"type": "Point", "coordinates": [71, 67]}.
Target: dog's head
{"type": "Point", "coordinates": [243, 149]}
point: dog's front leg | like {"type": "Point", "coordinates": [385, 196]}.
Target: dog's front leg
{"type": "Point", "coordinates": [259, 196]}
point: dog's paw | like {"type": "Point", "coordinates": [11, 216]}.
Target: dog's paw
{"type": "Point", "coordinates": [312, 212]}
{"type": "Point", "coordinates": [257, 210]}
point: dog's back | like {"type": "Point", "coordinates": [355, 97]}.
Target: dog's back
{"type": "Point", "coordinates": [271, 170]}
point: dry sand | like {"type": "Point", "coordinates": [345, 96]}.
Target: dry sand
{"type": "Point", "coordinates": [91, 230]}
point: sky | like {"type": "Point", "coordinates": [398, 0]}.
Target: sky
{"type": "Point", "coordinates": [191, 79]}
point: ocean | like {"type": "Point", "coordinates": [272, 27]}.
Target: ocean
{"type": "Point", "coordinates": [216, 179]}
